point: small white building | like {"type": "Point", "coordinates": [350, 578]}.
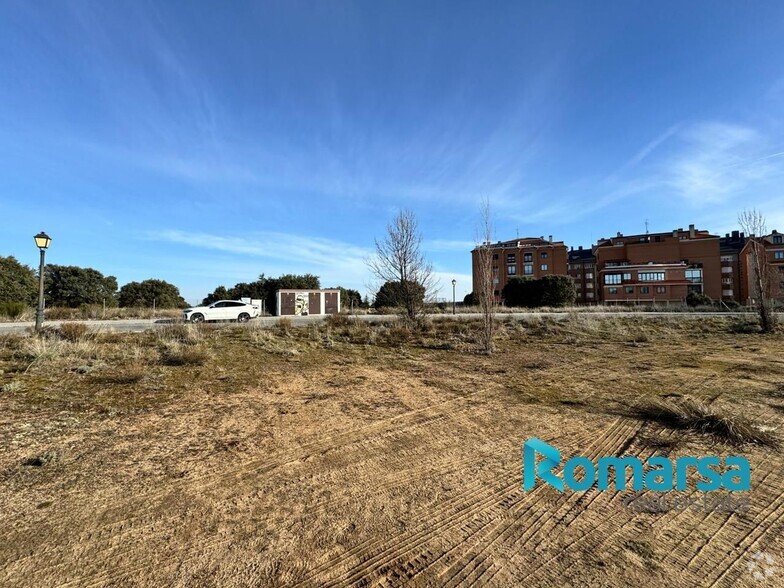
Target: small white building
{"type": "Point", "coordinates": [307, 302]}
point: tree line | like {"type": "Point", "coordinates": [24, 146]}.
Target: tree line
{"type": "Point", "coordinates": [73, 286]}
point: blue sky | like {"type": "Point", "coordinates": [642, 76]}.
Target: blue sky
{"type": "Point", "coordinates": [206, 143]}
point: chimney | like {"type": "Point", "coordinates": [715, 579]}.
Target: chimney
{"type": "Point", "coordinates": [727, 236]}
{"type": "Point", "coordinates": [735, 235]}
{"type": "Point", "coordinates": [580, 248]}
{"type": "Point", "coordinates": [572, 248]}
{"type": "Point", "coordinates": [675, 233]}
{"type": "Point", "coordinates": [619, 234]}
{"type": "Point", "coordinates": [691, 231]}
{"type": "Point", "coordinates": [550, 238]}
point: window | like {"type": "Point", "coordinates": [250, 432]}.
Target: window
{"type": "Point", "coordinates": [726, 269]}
{"type": "Point", "coordinates": [511, 270]}
{"type": "Point", "coordinates": [652, 276]}
{"type": "Point", "coordinates": [694, 275]}
{"type": "Point", "coordinates": [544, 254]}
{"type": "Point", "coordinates": [496, 292]}
{"type": "Point", "coordinates": [777, 239]}
{"type": "Point", "coordinates": [528, 269]}
{"type": "Point", "coordinates": [630, 289]}
{"type": "Point", "coordinates": [496, 281]}
{"type": "Point", "coordinates": [589, 294]}
{"type": "Point", "coordinates": [612, 279]}
{"type": "Point", "coordinates": [528, 257]}
{"type": "Point", "coordinates": [645, 290]}
{"type": "Point", "coordinates": [495, 256]}
{"type": "Point", "coordinates": [726, 280]}
{"type": "Point", "coordinates": [778, 255]}
{"type": "Point", "coordinates": [627, 277]}
{"type": "Point", "coordinates": [589, 285]}
{"type": "Point", "coordinates": [727, 258]}
{"type": "Point", "coordinates": [510, 258]}
{"type": "Point", "coordinates": [495, 270]}
{"type": "Point", "coordinates": [612, 290]}
{"type": "Point", "coordinates": [661, 289]}
{"type": "Point", "coordinates": [543, 267]}
{"type": "Point", "coordinates": [588, 276]}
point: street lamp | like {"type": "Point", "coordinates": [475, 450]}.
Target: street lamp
{"type": "Point", "coordinates": [454, 283]}
{"type": "Point", "coordinates": [42, 241]}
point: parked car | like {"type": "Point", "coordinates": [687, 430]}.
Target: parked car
{"type": "Point", "coordinates": [222, 310]}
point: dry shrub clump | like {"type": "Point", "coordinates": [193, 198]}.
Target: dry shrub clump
{"type": "Point", "coordinates": [284, 326]}
{"type": "Point", "coordinates": [178, 354]}
{"type": "Point", "coordinates": [182, 333]}
{"type": "Point", "coordinates": [693, 415]}
{"type": "Point", "coordinates": [73, 331]}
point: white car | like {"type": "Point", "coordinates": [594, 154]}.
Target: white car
{"type": "Point", "coordinates": [222, 310]}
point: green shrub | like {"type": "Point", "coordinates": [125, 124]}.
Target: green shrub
{"type": "Point", "coordinates": [12, 310]}
{"type": "Point", "coordinates": [697, 299]}
{"type": "Point", "coordinates": [553, 291]}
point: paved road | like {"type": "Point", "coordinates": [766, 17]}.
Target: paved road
{"type": "Point", "coordinates": [138, 325]}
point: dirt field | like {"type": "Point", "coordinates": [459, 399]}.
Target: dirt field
{"type": "Point", "coordinates": [366, 455]}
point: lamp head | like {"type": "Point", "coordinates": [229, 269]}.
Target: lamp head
{"type": "Point", "coordinates": [42, 240]}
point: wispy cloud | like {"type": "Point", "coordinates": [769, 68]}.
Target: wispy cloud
{"type": "Point", "coordinates": [335, 261]}
{"type": "Point", "coordinates": [721, 160]}
{"type": "Point", "coordinates": [448, 245]}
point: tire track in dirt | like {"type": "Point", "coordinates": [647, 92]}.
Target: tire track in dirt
{"type": "Point", "coordinates": [474, 531]}
{"type": "Point", "coordinates": [488, 510]}
{"type": "Point", "coordinates": [666, 521]}
{"type": "Point", "coordinates": [765, 523]}
{"type": "Point", "coordinates": [352, 437]}
{"type": "Point", "coordinates": [157, 522]}
{"type": "Point", "coordinates": [597, 537]}
{"type": "Point", "coordinates": [425, 530]}
{"type": "Point", "coordinates": [472, 566]}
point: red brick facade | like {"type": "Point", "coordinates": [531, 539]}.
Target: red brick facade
{"type": "Point", "coordinates": [530, 257]}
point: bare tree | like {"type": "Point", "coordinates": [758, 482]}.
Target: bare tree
{"type": "Point", "coordinates": [399, 258]}
{"type": "Point", "coordinates": [752, 222]}
{"type": "Point", "coordinates": [484, 277]}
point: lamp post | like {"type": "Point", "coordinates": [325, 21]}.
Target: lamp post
{"type": "Point", "coordinates": [454, 283]}
{"type": "Point", "coordinates": [42, 241]}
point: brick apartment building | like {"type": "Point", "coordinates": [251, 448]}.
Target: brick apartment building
{"type": "Point", "coordinates": [530, 257]}
{"type": "Point", "coordinates": [658, 267]}
{"type": "Point", "coordinates": [582, 269]}
{"type": "Point", "coordinates": [774, 253]}
{"type": "Point", "coordinates": [651, 268]}
{"type": "Point", "coordinates": [730, 247]}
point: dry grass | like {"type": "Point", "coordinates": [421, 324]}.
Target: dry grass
{"type": "Point", "coordinates": [688, 414]}
{"type": "Point", "coordinates": [96, 311]}
{"type": "Point", "coordinates": [179, 354]}
{"type": "Point", "coordinates": [73, 331]}
{"type": "Point", "coordinates": [360, 454]}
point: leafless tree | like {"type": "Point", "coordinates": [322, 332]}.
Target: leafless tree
{"type": "Point", "coordinates": [399, 258]}
{"type": "Point", "coordinates": [752, 222]}
{"type": "Point", "coordinates": [484, 277]}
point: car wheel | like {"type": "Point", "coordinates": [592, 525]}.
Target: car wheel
{"type": "Point", "coordinates": [243, 318]}
{"type": "Point", "coordinates": [197, 318]}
